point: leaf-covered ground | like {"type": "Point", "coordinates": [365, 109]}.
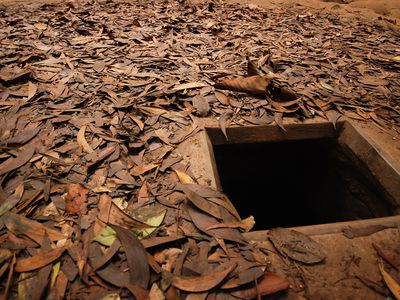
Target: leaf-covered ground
{"type": "Point", "coordinates": [95, 97]}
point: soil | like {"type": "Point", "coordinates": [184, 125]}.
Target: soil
{"type": "Point", "coordinates": [368, 9]}
{"type": "Point", "coordinates": [365, 8]}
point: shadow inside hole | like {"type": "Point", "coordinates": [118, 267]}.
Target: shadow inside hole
{"type": "Point", "coordinates": [296, 183]}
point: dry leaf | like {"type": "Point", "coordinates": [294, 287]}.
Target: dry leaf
{"type": "Point", "coordinates": [136, 256]}
{"type": "Point", "coordinates": [40, 260]}
{"type": "Point", "coordinates": [221, 97]}
{"type": "Point", "coordinates": [390, 282]}
{"type": "Point", "coordinates": [184, 178]}
{"type": "Point", "coordinates": [32, 229]}
{"type": "Point", "coordinates": [204, 282]}
{"type": "Point", "coordinates": [256, 85]}
{"type": "Point", "coordinates": [266, 285]}
{"type": "Point", "coordinates": [223, 121]}
{"type": "Point", "coordinates": [76, 199]}
{"type": "Point", "coordinates": [296, 245]}
{"type": "Point", "coordinates": [82, 140]}
{"type": "Point", "coordinates": [21, 158]}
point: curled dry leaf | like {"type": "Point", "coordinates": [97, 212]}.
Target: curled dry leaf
{"type": "Point", "coordinates": [256, 85]}
{"type": "Point", "coordinates": [82, 140]}
{"type": "Point", "coordinates": [296, 245]}
{"type": "Point", "coordinates": [223, 121]}
{"type": "Point", "coordinates": [205, 282]}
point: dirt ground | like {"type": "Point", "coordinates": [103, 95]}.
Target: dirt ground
{"type": "Point", "coordinates": [365, 8]}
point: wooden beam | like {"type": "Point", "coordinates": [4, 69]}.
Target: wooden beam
{"type": "Point", "coordinates": [272, 133]}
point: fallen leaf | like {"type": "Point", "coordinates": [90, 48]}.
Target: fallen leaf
{"type": "Point", "coordinates": [183, 177]}
{"type": "Point", "coordinates": [82, 140]}
{"type": "Point", "coordinates": [21, 138]}
{"type": "Point", "coordinates": [76, 199]}
{"type": "Point", "coordinates": [204, 221]}
{"type": "Point", "coordinates": [221, 97]}
{"type": "Point", "coordinates": [21, 158]}
{"type": "Point", "coordinates": [243, 277]}
{"type": "Point", "coordinates": [190, 85]}
{"type": "Point", "coordinates": [137, 291]}
{"type": "Point", "coordinates": [152, 217]}
{"type": "Point", "coordinates": [223, 121]}
{"type": "Point", "coordinates": [32, 229]}
{"type": "Point", "coordinates": [155, 293]}
{"type": "Point", "coordinates": [266, 285]}
{"type": "Point", "coordinates": [253, 85]}
{"type": "Point", "coordinates": [201, 105]}
{"type": "Point", "coordinates": [206, 281]}
{"type": "Point", "coordinates": [296, 245]}
{"type": "Point", "coordinates": [139, 170]}
{"type": "Point", "coordinates": [392, 284]}
{"type": "Point", "coordinates": [246, 224]}
{"type": "Point", "coordinates": [32, 90]}
{"type": "Point", "coordinates": [12, 200]}
{"type": "Point", "coordinates": [136, 256]}
{"type": "Point", "coordinates": [39, 260]}
{"type": "Point", "coordinates": [202, 203]}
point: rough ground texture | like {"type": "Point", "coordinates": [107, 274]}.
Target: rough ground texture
{"type": "Point", "coordinates": [95, 97]}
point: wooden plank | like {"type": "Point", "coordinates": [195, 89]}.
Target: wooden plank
{"type": "Point", "coordinates": [320, 229]}
{"type": "Point", "coordinates": [214, 176]}
{"type": "Point", "coordinates": [272, 133]}
{"type": "Point", "coordinates": [374, 159]}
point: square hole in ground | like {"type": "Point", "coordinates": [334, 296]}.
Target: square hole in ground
{"type": "Point", "coordinates": [296, 180]}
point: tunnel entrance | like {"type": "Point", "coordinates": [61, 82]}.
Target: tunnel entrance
{"type": "Point", "coordinates": [290, 183]}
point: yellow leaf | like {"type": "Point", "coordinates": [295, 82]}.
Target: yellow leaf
{"type": "Point", "coordinates": [54, 273]}
{"type": "Point", "coordinates": [183, 177]}
{"type": "Point", "coordinates": [390, 282]}
{"type": "Point", "coordinates": [82, 140]}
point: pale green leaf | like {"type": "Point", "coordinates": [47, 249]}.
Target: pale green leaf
{"type": "Point", "coordinates": [106, 237]}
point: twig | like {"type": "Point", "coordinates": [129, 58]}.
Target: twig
{"type": "Point", "coordinates": [385, 257]}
